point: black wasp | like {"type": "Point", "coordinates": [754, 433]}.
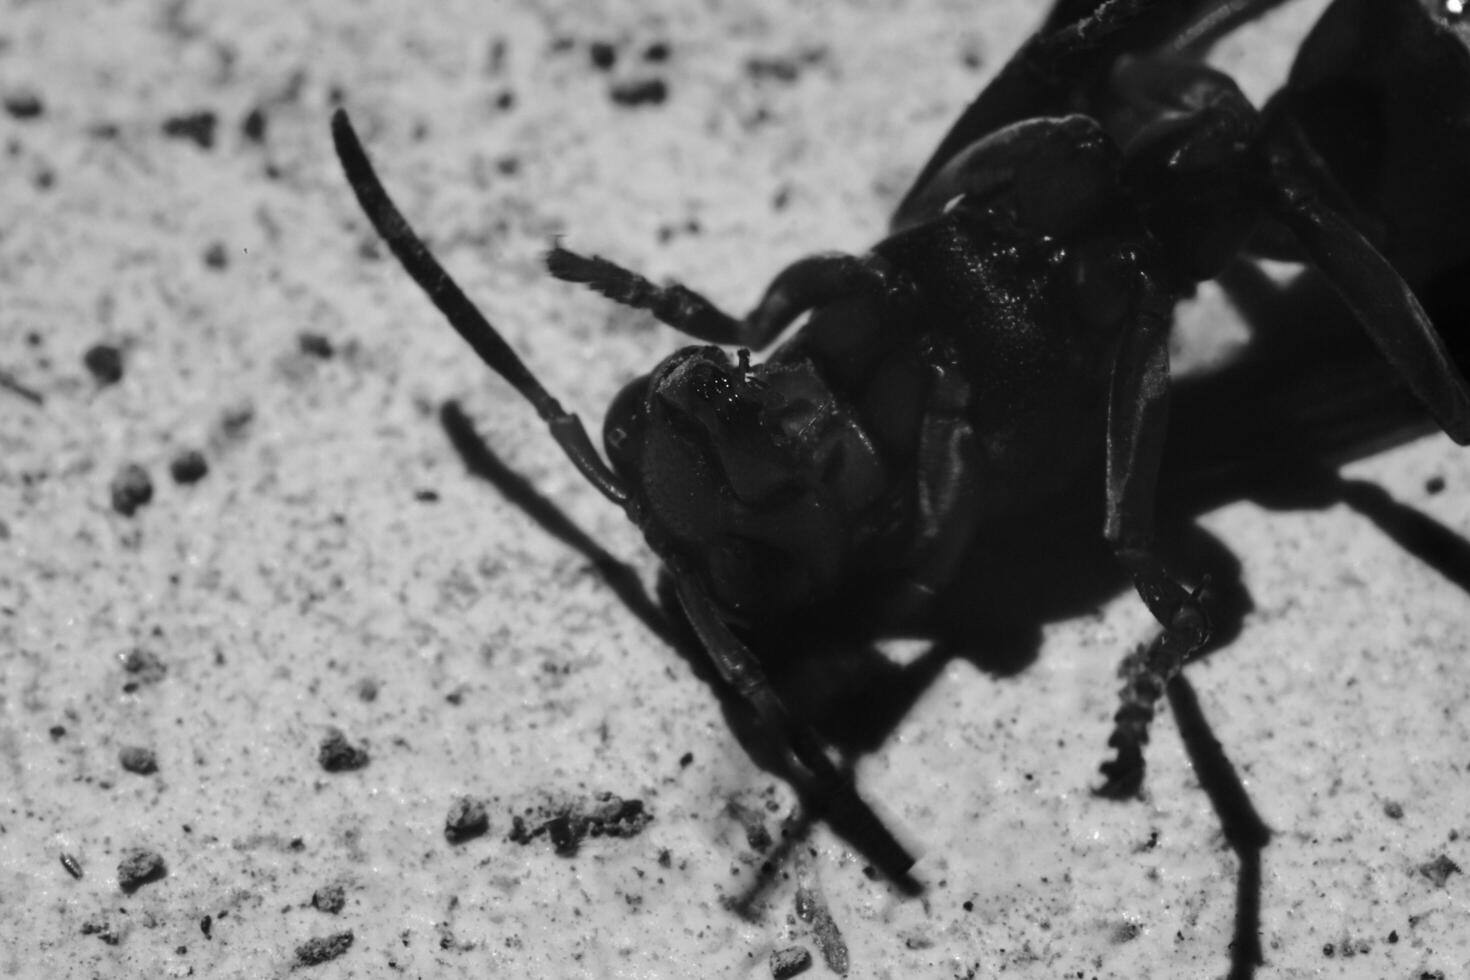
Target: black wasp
{"type": "Point", "coordinates": [1008, 341]}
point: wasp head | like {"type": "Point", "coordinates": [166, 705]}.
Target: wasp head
{"type": "Point", "coordinates": [733, 466]}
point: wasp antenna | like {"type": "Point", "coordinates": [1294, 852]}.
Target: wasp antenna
{"type": "Point", "coordinates": [462, 315]}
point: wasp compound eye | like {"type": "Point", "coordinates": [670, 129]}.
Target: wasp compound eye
{"type": "Point", "coordinates": [623, 429]}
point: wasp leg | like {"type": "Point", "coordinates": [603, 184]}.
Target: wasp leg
{"type": "Point", "coordinates": [1137, 419]}
{"type": "Point", "coordinates": [804, 285]}
{"type": "Point", "coordinates": [1181, 26]}
{"type": "Point", "coordinates": [949, 460]}
{"type": "Point", "coordinates": [1056, 72]}
{"type": "Point", "coordinates": [823, 787]}
{"type": "Point", "coordinates": [1063, 68]}
{"type": "Point", "coordinates": [1372, 288]}
{"type": "Point", "coordinates": [1055, 172]}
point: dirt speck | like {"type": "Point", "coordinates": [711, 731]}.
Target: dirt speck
{"type": "Point", "coordinates": [603, 55]}
{"type": "Point", "coordinates": [136, 758]}
{"type": "Point", "coordinates": [130, 489]}
{"type": "Point", "coordinates": [197, 127]}
{"type": "Point", "coordinates": [315, 344]}
{"type": "Point", "coordinates": [105, 362]}
{"type": "Point", "coordinates": [1439, 870]}
{"type": "Point", "coordinates": [143, 668]}
{"type": "Point", "coordinates": [24, 105]}
{"type": "Point", "coordinates": [466, 820]}
{"type": "Point", "coordinates": [103, 929]}
{"type": "Point", "coordinates": [189, 466]}
{"type": "Point", "coordinates": [1126, 932]}
{"type": "Point", "coordinates": [254, 125]}
{"type": "Point", "coordinates": [330, 899]}
{"type": "Point", "coordinates": [139, 867]}
{"type": "Point", "coordinates": [639, 92]}
{"type": "Point", "coordinates": [323, 949]}
{"type": "Point", "coordinates": [567, 825]}
{"type": "Point", "coordinates": [336, 754]}
{"type": "Point", "coordinates": [790, 961]}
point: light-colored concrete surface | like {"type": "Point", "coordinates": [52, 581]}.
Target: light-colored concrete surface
{"type": "Point", "coordinates": [306, 584]}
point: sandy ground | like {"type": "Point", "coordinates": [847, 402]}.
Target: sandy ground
{"type": "Point", "coordinates": [168, 679]}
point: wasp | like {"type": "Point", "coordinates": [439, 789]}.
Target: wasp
{"type": "Point", "coordinates": [1008, 342]}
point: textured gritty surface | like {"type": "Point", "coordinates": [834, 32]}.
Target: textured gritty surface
{"type": "Point", "coordinates": [338, 569]}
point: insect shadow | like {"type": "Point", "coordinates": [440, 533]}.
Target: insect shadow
{"type": "Point", "coordinates": [1295, 416]}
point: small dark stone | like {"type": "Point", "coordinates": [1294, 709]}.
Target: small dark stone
{"type": "Point", "coordinates": [336, 754]}
{"type": "Point", "coordinates": [1439, 870]}
{"type": "Point", "coordinates": [603, 55]}
{"type": "Point", "coordinates": [367, 690]}
{"type": "Point", "coordinates": [130, 489]}
{"type": "Point", "coordinates": [323, 949]}
{"type": "Point", "coordinates": [196, 126]}
{"type": "Point", "coordinates": [686, 760]}
{"type": "Point", "coordinates": [467, 819]}
{"type": "Point", "coordinates": [330, 899]}
{"type": "Point", "coordinates": [189, 466]}
{"type": "Point", "coordinates": [253, 126]}
{"type": "Point", "coordinates": [314, 344]}
{"type": "Point", "coordinates": [1393, 810]}
{"type": "Point", "coordinates": [657, 52]}
{"type": "Point", "coordinates": [103, 930]}
{"type": "Point", "coordinates": [1434, 485]}
{"type": "Point", "coordinates": [56, 732]}
{"type": "Point", "coordinates": [563, 840]}
{"type": "Point", "coordinates": [1126, 932]}
{"type": "Point", "coordinates": [206, 926]}
{"type": "Point", "coordinates": [105, 362]}
{"type": "Point", "coordinates": [426, 496]}
{"type": "Point", "coordinates": [24, 105]}
{"type": "Point", "coordinates": [139, 867]}
{"type": "Point", "coordinates": [638, 92]}
{"type": "Point", "coordinates": [790, 961]}
{"type": "Point", "coordinates": [215, 256]}
{"type": "Point", "coordinates": [135, 758]}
